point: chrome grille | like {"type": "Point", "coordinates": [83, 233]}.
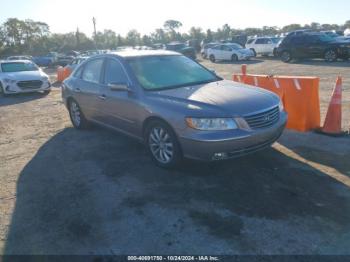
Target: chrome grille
{"type": "Point", "coordinates": [32, 84]}
{"type": "Point", "coordinates": [263, 119]}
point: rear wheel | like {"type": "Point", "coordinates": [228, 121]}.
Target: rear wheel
{"type": "Point", "coordinates": [234, 58]}
{"type": "Point", "coordinates": [76, 116]}
{"type": "Point", "coordinates": [212, 58]}
{"type": "Point", "coordinates": [2, 92]}
{"type": "Point", "coordinates": [162, 144]}
{"type": "Point", "coordinates": [330, 55]}
{"type": "Point", "coordinates": [286, 56]}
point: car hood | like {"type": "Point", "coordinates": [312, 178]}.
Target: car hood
{"type": "Point", "coordinates": [228, 97]}
{"type": "Point", "coordinates": [26, 75]}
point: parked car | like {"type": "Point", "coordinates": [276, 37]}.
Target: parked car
{"type": "Point", "coordinates": [20, 57]}
{"type": "Point", "coordinates": [204, 50]}
{"type": "Point", "coordinates": [63, 60]}
{"type": "Point", "coordinates": [313, 45]}
{"type": "Point", "coordinates": [177, 107]}
{"type": "Point", "coordinates": [46, 60]}
{"type": "Point", "coordinates": [232, 52]}
{"type": "Point", "coordinates": [182, 48]}
{"type": "Point", "coordinates": [75, 62]}
{"type": "Point", "coordinates": [22, 76]}
{"type": "Point", "coordinates": [263, 45]}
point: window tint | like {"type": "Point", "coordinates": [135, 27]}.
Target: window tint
{"type": "Point", "coordinates": [297, 40]}
{"type": "Point", "coordinates": [226, 48]}
{"type": "Point", "coordinates": [261, 41]}
{"type": "Point", "coordinates": [77, 73]}
{"type": "Point", "coordinates": [250, 41]}
{"type": "Point", "coordinates": [114, 73]}
{"type": "Point", "coordinates": [92, 71]}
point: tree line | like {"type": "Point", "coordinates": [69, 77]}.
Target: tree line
{"type": "Point", "coordinates": [34, 37]}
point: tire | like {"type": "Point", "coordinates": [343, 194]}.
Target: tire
{"type": "Point", "coordinates": [76, 115]}
{"type": "Point", "coordinates": [203, 55]}
{"type": "Point", "coordinates": [2, 93]}
{"type": "Point", "coordinates": [162, 144]}
{"type": "Point", "coordinates": [274, 52]}
{"type": "Point", "coordinates": [330, 55]}
{"type": "Point", "coordinates": [253, 51]}
{"type": "Point", "coordinates": [286, 56]}
{"type": "Point", "coordinates": [212, 58]}
{"type": "Point", "coordinates": [46, 92]}
{"type": "Point", "coordinates": [234, 58]}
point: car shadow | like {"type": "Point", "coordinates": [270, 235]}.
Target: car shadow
{"type": "Point", "coordinates": [320, 62]}
{"type": "Point", "coordinates": [20, 98]}
{"type": "Point", "coordinates": [78, 192]}
{"type": "Point", "coordinates": [248, 62]}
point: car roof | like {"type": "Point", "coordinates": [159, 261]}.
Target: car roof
{"type": "Point", "coordinates": [140, 53]}
{"type": "Point", "coordinates": [16, 61]}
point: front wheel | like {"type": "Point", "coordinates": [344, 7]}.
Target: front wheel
{"type": "Point", "coordinates": [212, 58]}
{"type": "Point", "coordinates": [330, 55]}
{"type": "Point", "coordinates": [76, 116]}
{"type": "Point", "coordinates": [234, 58]}
{"type": "Point", "coordinates": [286, 56]}
{"type": "Point", "coordinates": [163, 145]}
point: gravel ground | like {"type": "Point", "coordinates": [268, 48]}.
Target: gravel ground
{"type": "Point", "coordinates": [65, 191]}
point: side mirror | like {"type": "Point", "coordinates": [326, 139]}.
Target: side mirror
{"type": "Point", "coordinates": [119, 87]}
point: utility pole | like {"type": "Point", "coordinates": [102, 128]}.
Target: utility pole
{"type": "Point", "coordinates": [94, 22]}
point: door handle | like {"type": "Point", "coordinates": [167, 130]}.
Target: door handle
{"type": "Point", "coordinates": [103, 97]}
{"type": "Point", "coordinates": [77, 89]}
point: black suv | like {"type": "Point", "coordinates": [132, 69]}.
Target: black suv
{"type": "Point", "coordinates": [312, 45]}
{"type": "Point", "coordinates": [182, 48]}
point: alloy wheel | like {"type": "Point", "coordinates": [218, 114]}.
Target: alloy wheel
{"type": "Point", "coordinates": [75, 113]}
{"type": "Point", "coordinates": [161, 145]}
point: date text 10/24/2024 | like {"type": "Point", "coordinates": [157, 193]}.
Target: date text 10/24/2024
{"type": "Point", "coordinates": [173, 258]}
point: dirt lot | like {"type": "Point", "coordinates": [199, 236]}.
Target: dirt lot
{"type": "Point", "coordinates": [65, 191]}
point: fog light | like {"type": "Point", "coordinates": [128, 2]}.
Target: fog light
{"type": "Point", "coordinates": [219, 156]}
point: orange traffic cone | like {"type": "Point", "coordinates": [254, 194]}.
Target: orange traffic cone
{"type": "Point", "coordinates": [332, 123]}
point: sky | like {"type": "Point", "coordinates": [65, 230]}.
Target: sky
{"type": "Point", "coordinates": [145, 16]}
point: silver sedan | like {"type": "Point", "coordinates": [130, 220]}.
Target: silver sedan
{"type": "Point", "coordinates": [177, 107]}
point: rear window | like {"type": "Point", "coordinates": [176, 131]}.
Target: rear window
{"type": "Point", "coordinates": [250, 41]}
{"type": "Point", "coordinates": [18, 67]}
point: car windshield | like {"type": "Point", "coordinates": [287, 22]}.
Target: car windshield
{"type": "Point", "coordinates": [171, 71]}
{"type": "Point", "coordinates": [18, 67]}
{"type": "Point", "coordinates": [275, 40]}
{"type": "Point", "coordinates": [235, 46]}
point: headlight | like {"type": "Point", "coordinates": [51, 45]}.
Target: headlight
{"type": "Point", "coordinates": [280, 105]}
{"type": "Point", "coordinates": [6, 80]}
{"type": "Point", "coordinates": [211, 123]}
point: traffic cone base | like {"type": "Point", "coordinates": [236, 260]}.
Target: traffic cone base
{"type": "Point", "coordinates": [332, 123]}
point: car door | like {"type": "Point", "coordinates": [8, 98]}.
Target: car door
{"type": "Point", "coordinates": [259, 45]}
{"type": "Point", "coordinates": [299, 46]}
{"type": "Point", "coordinates": [269, 47]}
{"type": "Point", "coordinates": [118, 107]}
{"type": "Point", "coordinates": [316, 46]}
{"type": "Point", "coordinates": [86, 87]}
{"type": "Point", "coordinates": [226, 52]}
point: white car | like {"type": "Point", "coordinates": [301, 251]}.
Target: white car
{"type": "Point", "coordinates": [230, 51]}
{"type": "Point", "coordinates": [263, 45]}
{"type": "Point", "coordinates": [22, 76]}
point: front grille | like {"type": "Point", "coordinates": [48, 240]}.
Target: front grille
{"type": "Point", "coordinates": [30, 84]}
{"type": "Point", "coordinates": [263, 119]}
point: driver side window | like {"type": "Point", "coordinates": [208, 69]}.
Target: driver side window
{"type": "Point", "coordinates": [114, 73]}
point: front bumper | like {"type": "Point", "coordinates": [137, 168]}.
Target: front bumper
{"type": "Point", "coordinates": [230, 144]}
{"type": "Point", "coordinates": [245, 56]}
{"type": "Point", "coordinates": [13, 88]}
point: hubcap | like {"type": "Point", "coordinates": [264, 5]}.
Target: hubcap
{"type": "Point", "coordinates": [330, 55]}
{"type": "Point", "coordinates": [285, 56]}
{"type": "Point", "coordinates": [75, 113]}
{"type": "Point", "coordinates": [161, 145]}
